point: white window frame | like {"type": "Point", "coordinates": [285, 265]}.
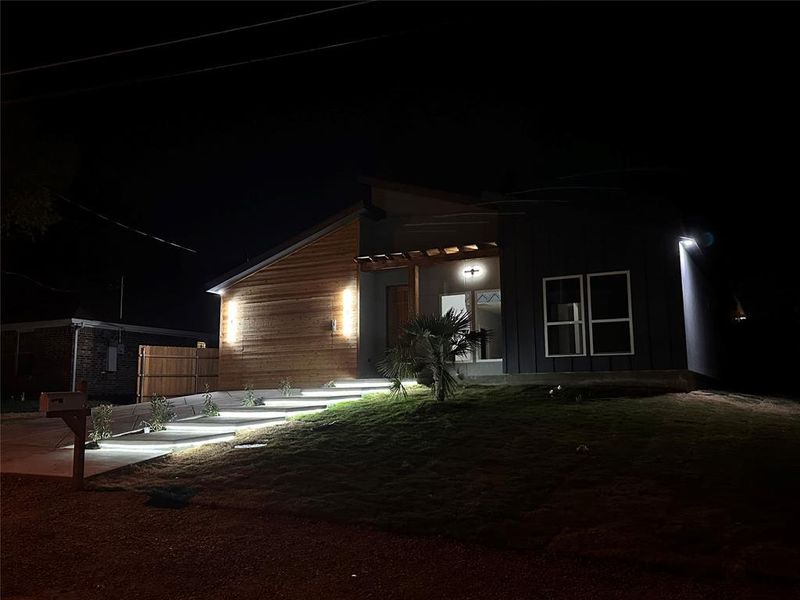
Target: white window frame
{"type": "Point", "coordinates": [628, 319]}
{"type": "Point", "coordinates": [547, 324]}
{"type": "Point", "coordinates": [475, 321]}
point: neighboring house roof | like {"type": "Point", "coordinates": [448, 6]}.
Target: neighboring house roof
{"type": "Point", "coordinates": [33, 325]}
{"type": "Point", "coordinates": [270, 256]}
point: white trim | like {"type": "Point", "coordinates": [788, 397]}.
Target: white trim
{"type": "Point", "coordinates": [628, 319]}
{"type": "Point", "coordinates": [581, 321]}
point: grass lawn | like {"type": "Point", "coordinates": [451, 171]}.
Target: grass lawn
{"type": "Point", "coordinates": [701, 481]}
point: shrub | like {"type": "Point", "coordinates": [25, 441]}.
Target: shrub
{"type": "Point", "coordinates": [428, 346]}
{"type": "Point", "coordinates": [102, 417]}
{"type": "Point", "coordinates": [161, 413]}
{"type": "Point", "coordinates": [285, 387]}
{"type": "Point", "coordinates": [249, 398]}
{"type": "Point", "coordinates": [210, 408]}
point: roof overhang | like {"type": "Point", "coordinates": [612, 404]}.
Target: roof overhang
{"type": "Point", "coordinates": [34, 325]}
{"type": "Point", "coordinates": [429, 256]}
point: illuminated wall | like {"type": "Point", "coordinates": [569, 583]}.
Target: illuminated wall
{"type": "Point", "coordinates": [296, 318]}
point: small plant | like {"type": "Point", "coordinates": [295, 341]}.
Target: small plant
{"type": "Point", "coordinates": [161, 413]}
{"type": "Point", "coordinates": [285, 386]}
{"type": "Point", "coordinates": [249, 398]}
{"type": "Point", "coordinates": [102, 417]}
{"type": "Point", "coordinates": [210, 408]}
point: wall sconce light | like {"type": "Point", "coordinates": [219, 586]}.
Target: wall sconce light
{"type": "Point", "coordinates": [472, 271]}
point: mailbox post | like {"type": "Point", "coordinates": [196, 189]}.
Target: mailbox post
{"type": "Point", "coordinates": [71, 407]}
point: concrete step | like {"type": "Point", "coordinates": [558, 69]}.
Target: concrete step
{"type": "Point", "coordinates": [362, 383]}
{"type": "Point", "coordinates": [164, 441]}
{"type": "Point", "coordinates": [222, 423]}
{"type": "Point", "coordinates": [337, 393]}
{"type": "Point", "coordinates": [260, 412]}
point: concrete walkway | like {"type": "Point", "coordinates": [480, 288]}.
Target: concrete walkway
{"type": "Point", "coordinates": [35, 445]}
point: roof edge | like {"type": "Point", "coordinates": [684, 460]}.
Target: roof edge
{"type": "Point", "coordinates": [33, 325]}
{"type": "Point", "coordinates": [218, 285]}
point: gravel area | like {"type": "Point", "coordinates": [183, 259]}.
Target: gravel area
{"type": "Point", "coordinates": [113, 545]}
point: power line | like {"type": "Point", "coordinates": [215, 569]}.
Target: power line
{"type": "Point", "coordinates": [568, 188]}
{"type": "Point", "coordinates": [115, 222]}
{"type": "Point", "coordinates": [201, 70]}
{"type": "Point", "coordinates": [181, 40]}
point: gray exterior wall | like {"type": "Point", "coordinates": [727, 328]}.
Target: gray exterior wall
{"type": "Point", "coordinates": [372, 317]}
{"type": "Point", "coordinates": [557, 241]}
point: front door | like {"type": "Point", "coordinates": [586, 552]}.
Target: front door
{"type": "Point", "coordinates": [396, 312]}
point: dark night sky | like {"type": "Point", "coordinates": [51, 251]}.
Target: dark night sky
{"type": "Point", "coordinates": [466, 97]}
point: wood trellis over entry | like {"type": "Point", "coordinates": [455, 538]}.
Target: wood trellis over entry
{"type": "Point", "coordinates": [430, 256]}
{"type": "Point", "coordinates": [176, 371]}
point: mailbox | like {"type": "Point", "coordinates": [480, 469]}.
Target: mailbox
{"type": "Point", "coordinates": [60, 401]}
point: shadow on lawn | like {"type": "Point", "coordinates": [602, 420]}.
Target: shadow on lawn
{"type": "Point", "coordinates": [174, 496]}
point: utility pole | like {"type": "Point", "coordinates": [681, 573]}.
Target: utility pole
{"type": "Point", "coordinates": [121, 293]}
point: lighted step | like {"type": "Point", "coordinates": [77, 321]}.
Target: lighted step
{"type": "Point", "coordinates": [257, 412]}
{"type": "Point", "coordinates": [339, 393]}
{"type": "Point", "coordinates": [362, 383]}
{"type": "Point", "coordinates": [163, 441]}
{"type": "Point", "coordinates": [222, 423]}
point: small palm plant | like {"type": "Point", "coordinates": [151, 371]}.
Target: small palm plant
{"type": "Point", "coordinates": [428, 345]}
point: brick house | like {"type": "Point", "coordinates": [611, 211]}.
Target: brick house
{"type": "Point", "coordinates": [55, 355]}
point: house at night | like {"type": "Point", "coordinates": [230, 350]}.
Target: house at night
{"type": "Point", "coordinates": [564, 288]}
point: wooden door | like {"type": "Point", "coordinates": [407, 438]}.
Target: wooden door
{"type": "Point", "coordinates": [397, 298]}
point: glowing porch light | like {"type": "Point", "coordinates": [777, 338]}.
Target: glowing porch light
{"type": "Point", "coordinates": [348, 312]}
{"type": "Point", "coordinates": [232, 327]}
{"type": "Point", "coordinates": [472, 271]}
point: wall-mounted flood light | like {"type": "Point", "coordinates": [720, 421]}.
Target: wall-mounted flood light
{"type": "Point", "coordinates": [232, 332]}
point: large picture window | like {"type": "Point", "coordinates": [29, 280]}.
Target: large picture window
{"type": "Point", "coordinates": [610, 316]}
{"type": "Point", "coordinates": [564, 333]}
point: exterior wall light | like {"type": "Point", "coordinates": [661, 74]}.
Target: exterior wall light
{"type": "Point", "coordinates": [472, 271]}
{"type": "Point", "coordinates": [231, 332]}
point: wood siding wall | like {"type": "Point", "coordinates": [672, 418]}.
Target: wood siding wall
{"type": "Point", "coordinates": [558, 243]}
{"type": "Point", "coordinates": [276, 323]}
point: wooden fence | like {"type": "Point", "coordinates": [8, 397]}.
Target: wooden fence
{"type": "Point", "coordinates": [175, 371]}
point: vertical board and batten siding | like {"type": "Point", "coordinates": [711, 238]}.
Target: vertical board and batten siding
{"type": "Point", "coordinates": [282, 316]}
{"type": "Point", "coordinates": [175, 371]}
{"type": "Point", "coordinates": [574, 243]}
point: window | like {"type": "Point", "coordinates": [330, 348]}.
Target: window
{"type": "Point", "coordinates": [610, 318]}
{"type": "Point", "coordinates": [111, 359]}
{"type": "Point", "coordinates": [563, 316]}
{"type": "Point", "coordinates": [488, 320]}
